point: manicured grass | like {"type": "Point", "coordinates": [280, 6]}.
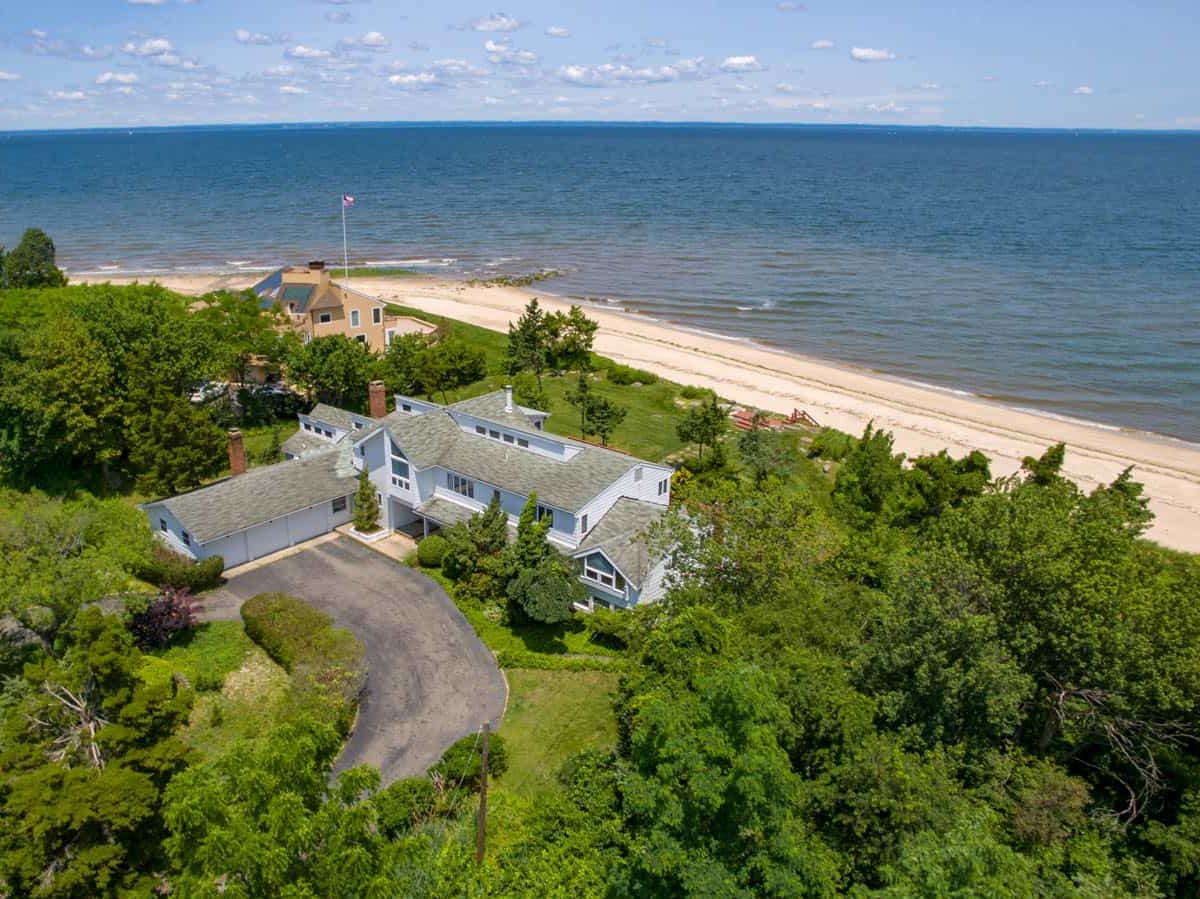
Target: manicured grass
{"type": "Point", "coordinates": [257, 439]}
{"type": "Point", "coordinates": [571, 637]}
{"type": "Point", "coordinates": [652, 410]}
{"type": "Point", "coordinates": [551, 716]}
{"type": "Point", "coordinates": [369, 271]}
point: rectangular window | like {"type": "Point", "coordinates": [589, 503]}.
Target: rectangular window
{"type": "Point", "coordinates": [583, 525]}
{"type": "Point", "coordinates": [495, 494]}
{"type": "Point", "coordinates": [187, 540]}
{"type": "Point", "coordinates": [354, 318]}
{"type": "Point", "coordinates": [508, 438]}
{"type": "Point", "coordinates": [522, 442]}
{"type": "Point", "coordinates": [329, 434]}
{"type": "Point", "coordinates": [406, 407]}
{"type": "Point", "coordinates": [376, 316]}
{"type": "Point", "coordinates": [324, 318]}
{"type": "Point", "coordinates": [461, 485]}
{"type": "Point", "coordinates": [495, 435]}
{"type": "Point", "coordinates": [597, 568]}
{"type": "Point", "coordinates": [481, 430]}
{"type": "Point", "coordinates": [544, 512]}
{"type": "Point", "coordinates": [361, 338]}
{"type": "Point", "coordinates": [637, 474]}
{"type": "Point", "coordinates": [664, 486]}
{"type": "Point", "coordinates": [307, 426]}
{"type": "Point", "coordinates": [339, 504]}
{"type": "Point", "coordinates": [162, 525]}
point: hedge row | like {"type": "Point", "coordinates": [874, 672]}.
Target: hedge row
{"type": "Point", "coordinates": [168, 569]}
{"type": "Point", "coordinates": [327, 664]}
{"type": "Point", "coordinates": [517, 658]}
{"type": "Point", "coordinates": [626, 375]}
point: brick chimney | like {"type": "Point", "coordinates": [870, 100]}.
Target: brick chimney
{"type": "Point", "coordinates": [508, 398]}
{"type": "Point", "coordinates": [378, 398]}
{"type": "Point", "coordinates": [237, 453]}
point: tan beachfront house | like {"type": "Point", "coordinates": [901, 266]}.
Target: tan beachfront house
{"type": "Point", "coordinates": [318, 306]}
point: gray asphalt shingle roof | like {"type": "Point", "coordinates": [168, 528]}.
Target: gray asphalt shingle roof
{"type": "Point", "coordinates": [444, 512]}
{"type": "Point", "coordinates": [435, 438]}
{"type": "Point", "coordinates": [304, 444]}
{"type": "Point", "coordinates": [263, 494]}
{"type": "Point", "coordinates": [620, 536]}
{"type": "Point", "coordinates": [332, 415]}
{"type": "Point", "coordinates": [490, 406]}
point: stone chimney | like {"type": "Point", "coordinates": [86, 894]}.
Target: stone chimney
{"type": "Point", "coordinates": [378, 399]}
{"type": "Point", "coordinates": [237, 453]}
{"type": "Point", "coordinates": [508, 407]}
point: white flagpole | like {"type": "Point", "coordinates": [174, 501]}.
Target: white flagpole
{"type": "Point", "coordinates": [345, 245]}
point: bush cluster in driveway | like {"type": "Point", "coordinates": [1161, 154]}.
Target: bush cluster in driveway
{"type": "Point", "coordinates": [327, 664]}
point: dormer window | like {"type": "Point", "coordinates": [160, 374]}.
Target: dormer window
{"type": "Point", "coordinates": [324, 318]}
{"type": "Point", "coordinates": [544, 512]}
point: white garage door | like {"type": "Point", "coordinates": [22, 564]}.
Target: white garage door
{"type": "Point", "coordinates": [267, 538]}
{"type": "Point", "coordinates": [309, 523]}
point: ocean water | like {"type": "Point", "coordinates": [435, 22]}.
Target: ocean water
{"type": "Point", "coordinates": [1056, 271]}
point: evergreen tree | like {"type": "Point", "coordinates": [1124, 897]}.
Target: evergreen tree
{"type": "Point", "coordinates": [547, 592]}
{"type": "Point", "coordinates": [703, 425]}
{"type": "Point", "coordinates": [531, 547]}
{"type": "Point", "coordinates": [569, 338]}
{"type": "Point", "coordinates": [605, 416]}
{"type": "Point", "coordinates": [366, 504]}
{"type": "Point", "coordinates": [528, 342]}
{"type": "Point", "coordinates": [31, 262]}
{"type": "Point", "coordinates": [580, 396]}
{"type": "Point", "coordinates": [173, 446]}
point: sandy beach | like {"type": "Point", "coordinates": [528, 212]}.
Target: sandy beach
{"type": "Point", "coordinates": [923, 419]}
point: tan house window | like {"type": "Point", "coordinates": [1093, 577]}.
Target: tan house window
{"type": "Point", "coordinates": [376, 316]}
{"type": "Point", "coordinates": [324, 318]}
{"type": "Point", "coordinates": [353, 318]}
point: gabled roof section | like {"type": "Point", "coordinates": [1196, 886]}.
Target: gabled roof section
{"type": "Point", "coordinates": [620, 536]}
{"type": "Point", "coordinates": [301, 444]}
{"type": "Point", "coordinates": [263, 494]}
{"type": "Point", "coordinates": [490, 406]}
{"type": "Point", "coordinates": [332, 415]}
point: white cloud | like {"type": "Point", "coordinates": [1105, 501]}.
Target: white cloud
{"type": "Point", "coordinates": [126, 91]}
{"type": "Point", "coordinates": [501, 53]}
{"type": "Point", "coordinates": [870, 54]}
{"type": "Point", "coordinates": [414, 80]}
{"type": "Point", "coordinates": [300, 51]}
{"type": "Point", "coordinates": [786, 87]}
{"type": "Point", "coordinates": [242, 36]}
{"type": "Point", "coordinates": [9, 76]}
{"type": "Point", "coordinates": [372, 40]}
{"type": "Point", "coordinates": [339, 17]}
{"type": "Point", "coordinates": [72, 96]}
{"type": "Point", "coordinates": [292, 89]}
{"type": "Point", "coordinates": [151, 46]}
{"type": "Point", "coordinates": [929, 86]}
{"type": "Point", "coordinates": [557, 31]}
{"type": "Point", "coordinates": [1043, 84]}
{"type": "Point", "coordinates": [145, 2]}
{"type": "Point", "coordinates": [742, 64]}
{"type": "Point", "coordinates": [1083, 91]}
{"type": "Point", "coordinates": [496, 22]}
{"type": "Point", "coordinates": [492, 101]}
{"type": "Point", "coordinates": [87, 51]}
{"type": "Point", "coordinates": [175, 61]}
{"type": "Point", "coordinates": [789, 6]}
{"type": "Point", "coordinates": [117, 78]}
{"type": "Point", "coordinates": [418, 46]}
{"type": "Point", "coordinates": [283, 70]}
{"type": "Point", "coordinates": [612, 74]}
{"type": "Point", "coordinates": [822, 44]}
{"type": "Point", "coordinates": [888, 107]}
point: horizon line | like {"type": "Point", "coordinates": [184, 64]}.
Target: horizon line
{"type": "Point", "coordinates": [644, 123]}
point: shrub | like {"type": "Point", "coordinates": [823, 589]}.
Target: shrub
{"type": "Point", "coordinates": [547, 592]}
{"type": "Point", "coordinates": [169, 569]}
{"type": "Point", "coordinates": [463, 762]}
{"type": "Point", "coordinates": [404, 804]}
{"type": "Point", "coordinates": [692, 392]}
{"type": "Point", "coordinates": [832, 444]}
{"type": "Point", "coordinates": [626, 375]}
{"type": "Point", "coordinates": [431, 551]}
{"type": "Point", "coordinates": [170, 612]}
{"type": "Point", "coordinates": [541, 661]}
{"type": "Point", "coordinates": [327, 665]}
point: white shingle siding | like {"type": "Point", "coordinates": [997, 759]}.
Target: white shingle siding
{"type": "Point", "coordinates": [539, 443]}
{"type": "Point", "coordinates": [321, 429]}
{"type": "Point", "coordinates": [645, 489]}
{"type": "Point", "coordinates": [410, 405]}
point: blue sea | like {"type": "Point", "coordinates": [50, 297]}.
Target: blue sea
{"type": "Point", "coordinates": [1056, 271]}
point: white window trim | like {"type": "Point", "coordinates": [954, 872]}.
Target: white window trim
{"type": "Point", "coordinates": [376, 316]}
{"type": "Point", "coordinates": [355, 318]}
{"type": "Point", "coordinates": [324, 318]}
{"type": "Point", "coordinates": [596, 576]}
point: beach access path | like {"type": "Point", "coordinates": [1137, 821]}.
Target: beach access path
{"type": "Point", "coordinates": [922, 419]}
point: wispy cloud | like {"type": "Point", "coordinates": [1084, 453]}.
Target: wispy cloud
{"type": "Point", "coordinates": [71, 96]}
{"type": "Point", "coordinates": [496, 22]}
{"type": "Point", "coordinates": [1043, 84]}
{"type": "Point", "coordinates": [418, 46]}
{"type": "Point", "coordinates": [1083, 90]}
{"type": "Point", "coordinates": [300, 51]}
{"type": "Point", "coordinates": [339, 16]}
{"type": "Point", "coordinates": [244, 36]}
{"type": "Point", "coordinates": [742, 64]}
{"type": "Point", "coordinates": [9, 76]}
{"type": "Point", "coordinates": [292, 89]}
{"type": "Point", "coordinates": [501, 53]}
{"type": "Point", "coordinates": [557, 31]}
{"type": "Point", "coordinates": [372, 40]}
{"type": "Point", "coordinates": [890, 107]}
{"type": "Point", "coordinates": [614, 74]}
{"type": "Point", "coordinates": [789, 6]}
{"type": "Point", "coordinates": [822, 44]}
{"type": "Point", "coordinates": [117, 78]}
{"type": "Point", "coordinates": [145, 2]}
{"type": "Point", "coordinates": [151, 46]}
{"type": "Point", "coordinates": [871, 54]}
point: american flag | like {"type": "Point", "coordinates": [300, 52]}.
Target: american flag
{"type": "Point", "coordinates": [347, 201]}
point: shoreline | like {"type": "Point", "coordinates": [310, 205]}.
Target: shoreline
{"type": "Point", "coordinates": [923, 418]}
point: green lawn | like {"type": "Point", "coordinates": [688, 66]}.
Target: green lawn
{"type": "Point", "coordinates": [551, 716]}
{"type": "Point", "coordinates": [653, 410]}
{"type": "Point", "coordinates": [238, 688]}
{"type": "Point", "coordinates": [258, 438]}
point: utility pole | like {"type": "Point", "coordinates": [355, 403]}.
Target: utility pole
{"type": "Point", "coordinates": [481, 825]}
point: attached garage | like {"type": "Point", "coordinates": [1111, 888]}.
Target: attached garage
{"type": "Point", "coordinates": [262, 511]}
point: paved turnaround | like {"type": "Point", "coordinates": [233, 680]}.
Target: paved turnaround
{"type": "Point", "coordinates": [430, 679]}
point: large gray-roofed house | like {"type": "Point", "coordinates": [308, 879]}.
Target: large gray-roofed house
{"type": "Point", "coordinates": [434, 466]}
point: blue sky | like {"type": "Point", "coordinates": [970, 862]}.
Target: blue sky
{"type": "Point", "coordinates": [161, 62]}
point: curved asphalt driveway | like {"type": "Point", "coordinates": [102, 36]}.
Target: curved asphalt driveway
{"type": "Point", "coordinates": [430, 680]}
